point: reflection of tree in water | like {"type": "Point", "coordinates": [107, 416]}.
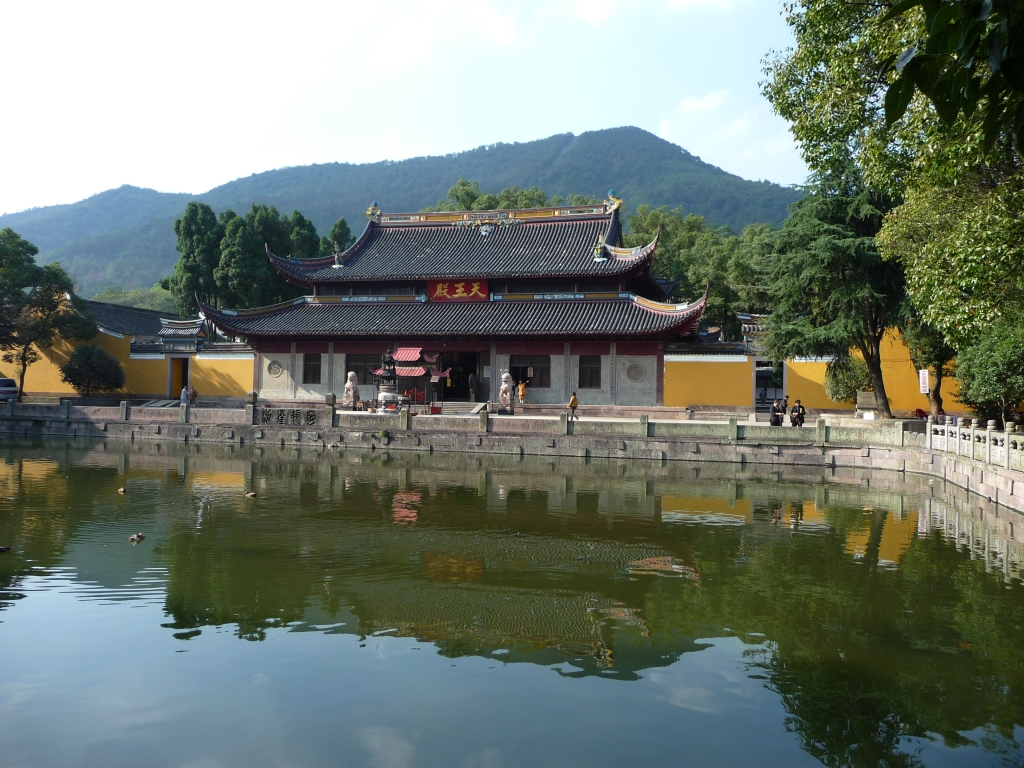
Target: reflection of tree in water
{"type": "Point", "coordinates": [865, 657]}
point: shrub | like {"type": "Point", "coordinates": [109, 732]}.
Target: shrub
{"type": "Point", "coordinates": [845, 377]}
{"type": "Point", "coordinates": [91, 368]}
{"type": "Point", "coordinates": [991, 370]}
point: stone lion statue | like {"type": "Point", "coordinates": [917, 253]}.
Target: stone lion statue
{"type": "Point", "coordinates": [351, 396]}
{"type": "Point", "coordinates": [507, 388]}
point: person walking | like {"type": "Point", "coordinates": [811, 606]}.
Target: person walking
{"type": "Point", "coordinates": [184, 395]}
{"type": "Point", "coordinates": [522, 392]}
{"type": "Point", "coordinates": [797, 415]}
{"type": "Point", "coordinates": [573, 405]}
{"type": "Point", "coordinates": [776, 414]}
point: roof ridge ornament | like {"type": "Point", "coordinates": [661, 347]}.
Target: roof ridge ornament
{"type": "Point", "coordinates": [373, 213]}
{"type": "Point", "coordinates": [613, 202]}
{"type": "Point", "coordinates": [599, 251]}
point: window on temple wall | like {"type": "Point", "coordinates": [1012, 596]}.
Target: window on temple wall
{"type": "Point", "coordinates": [362, 365]}
{"type": "Point", "coordinates": [535, 370]}
{"type": "Point", "coordinates": [590, 372]}
{"type": "Point", "coordinates": [311, 369]}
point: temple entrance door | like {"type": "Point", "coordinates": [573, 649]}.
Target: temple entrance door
{"type": "Point", "coordinates": [462, 365]}
{"type": "Point", "coordinates": [178, 376]}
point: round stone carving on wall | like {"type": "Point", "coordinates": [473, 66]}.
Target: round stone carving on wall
{"type": "Point", "coordinates": [636, 373]}
{"type": "Point", "coordinates": [275, 369]}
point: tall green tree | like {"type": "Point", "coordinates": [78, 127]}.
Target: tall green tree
{"type": "Point", "coordinates": [244, 276]}
{"type": "Point", "coordinates": [18, 272]}
{"type": "Point", "coordinates": [304, 241]}
{"type": "Point", "coordinates": [338, 240]}
{"type": "Point", "coordinates": [830, 288]}
{"type": "Point", "coordinates": [48, 310]}
{"type": "Point", "coordinates": [199, 236]}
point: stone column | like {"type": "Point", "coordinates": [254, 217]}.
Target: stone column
{"type": "Point", "coordinates": [291, 373]}
{"type": "Point", "coordinates": [990, 432]}
{"type": "Point", "coordinates": [126, 411]}
{"type": "Point", "coordinates": [329, 400]}
{"type": "Point", "coordinates": [928, 432]}
{"type": "Point", "coordinates": [611, 372]}
{"type": "Point", "coordinates": [250, 407]}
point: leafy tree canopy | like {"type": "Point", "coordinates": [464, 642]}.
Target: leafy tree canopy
{"type": "Point", "coordinates": [467, 196]}
{"type": "Point", "coordinates": [90, 368]}
{"type": "Point", "coordinates": [971, 60]}
{"type": "Point", "coordinates": [696, 253]}
{"type": "Point", "coordinates": [923, 95]}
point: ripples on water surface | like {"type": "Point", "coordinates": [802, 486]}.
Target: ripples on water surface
{"type": "Point", "coordinates": [417, 610]}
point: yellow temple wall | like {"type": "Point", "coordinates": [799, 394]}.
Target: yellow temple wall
{"type": "Point", "coordinates": [703, 380]}
{"type": "Point", "coordinates": [225, 376]}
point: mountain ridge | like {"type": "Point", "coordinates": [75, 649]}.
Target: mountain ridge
{"type": "Point", "coordinates": [125, 235]}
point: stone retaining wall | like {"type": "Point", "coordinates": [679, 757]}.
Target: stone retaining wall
{"type": "Point", "coordinates": [984, 461]}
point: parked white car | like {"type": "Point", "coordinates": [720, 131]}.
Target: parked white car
{"type": "Point", "coordinates": [8, 389]}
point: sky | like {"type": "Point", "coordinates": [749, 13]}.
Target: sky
{"type": "Point", "coordinates": [182, 97]}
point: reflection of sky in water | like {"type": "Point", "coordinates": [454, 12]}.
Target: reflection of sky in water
{"type": "Point", "coordinates": [314, 699]}
{"type": "Point", "coordinates": [484, 612]}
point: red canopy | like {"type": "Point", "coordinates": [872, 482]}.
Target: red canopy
{"type": "Point", "coordinates": [407, 354]}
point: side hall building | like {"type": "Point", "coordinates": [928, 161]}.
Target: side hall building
{"type": "Point", "coordinates": [547, 294]}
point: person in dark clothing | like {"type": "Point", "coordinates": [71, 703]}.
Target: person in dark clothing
{"type": "Point", "coordinates": [776, 414]}
{"type": "Point", "coordinates": [797, 415]}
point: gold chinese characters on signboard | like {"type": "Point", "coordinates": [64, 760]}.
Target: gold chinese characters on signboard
{"type": "Point", "coordinates": [458, 290]}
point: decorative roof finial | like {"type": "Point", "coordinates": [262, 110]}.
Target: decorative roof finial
{"type": "Point", "coordinates": [612, 202]}
{"type": "Point", "coordinates": [373, 212]}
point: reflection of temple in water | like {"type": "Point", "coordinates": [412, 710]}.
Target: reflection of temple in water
{"type": "Point", "coordinates": [602, 565]}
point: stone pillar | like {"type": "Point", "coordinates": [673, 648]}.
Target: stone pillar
{"type": "Point", "coordinates": [611, 372]}
{"type": "Point", "coordinates": [820, 432]}
{"type": "Point", "coordinates": [65, 408]}
{"type": "Point", "coordinates": [1010, 427]}
{"type": "Point", "coordinates": [485, 418]}
{"type": "Point", "coordinates": [10, 407]}
{"type": "Point", "coordinates": [990, 432]}
{"type": "Point", "coordinates": [330, 366]}
{"type": "Point", "coordinates": [644, 419]}
{"type": "Point", "coordinates": [291, 373]}
{"type": "Point", "coordinates": [126, 411]}
{"type": "Point", "coordinates": [732, 431]}
{"type": "Point", "coordinates": [329, 408]}
{"type": "Point", "coordinates": [563, 424]}
{"type": "Point", "coordinates": [250, 407]}
{"type": "Point", "coordinates": [183, 413]}
{"type": "Point", "coordinates": [928, 432]}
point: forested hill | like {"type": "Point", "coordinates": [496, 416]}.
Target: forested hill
{"type": "Point", "coordinates": [124, 236]}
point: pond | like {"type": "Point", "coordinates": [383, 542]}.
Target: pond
{"type": "Point", "coordinates": [367, 609]}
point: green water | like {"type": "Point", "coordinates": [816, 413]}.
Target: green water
{"type": "Point", "coordinates": [480, 612]}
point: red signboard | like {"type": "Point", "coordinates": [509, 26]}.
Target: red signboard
{"type": "Point", "coordinates": [458, 290]}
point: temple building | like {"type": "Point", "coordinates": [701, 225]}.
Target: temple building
{"type": "Point", "coordinates": [547, 294]}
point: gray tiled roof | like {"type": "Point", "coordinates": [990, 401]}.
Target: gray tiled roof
{"type": "Point", "coordinates": [549, 247]}
{"type": "Point", "coordinates": [128, 321]}
{"type": "Point", "coordinates": [558, 318]}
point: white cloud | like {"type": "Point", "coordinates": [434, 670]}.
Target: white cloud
{"type": "Point", "coordinates": [387, 748]}
{"type": "Point", "coordinates": [748, 141]}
